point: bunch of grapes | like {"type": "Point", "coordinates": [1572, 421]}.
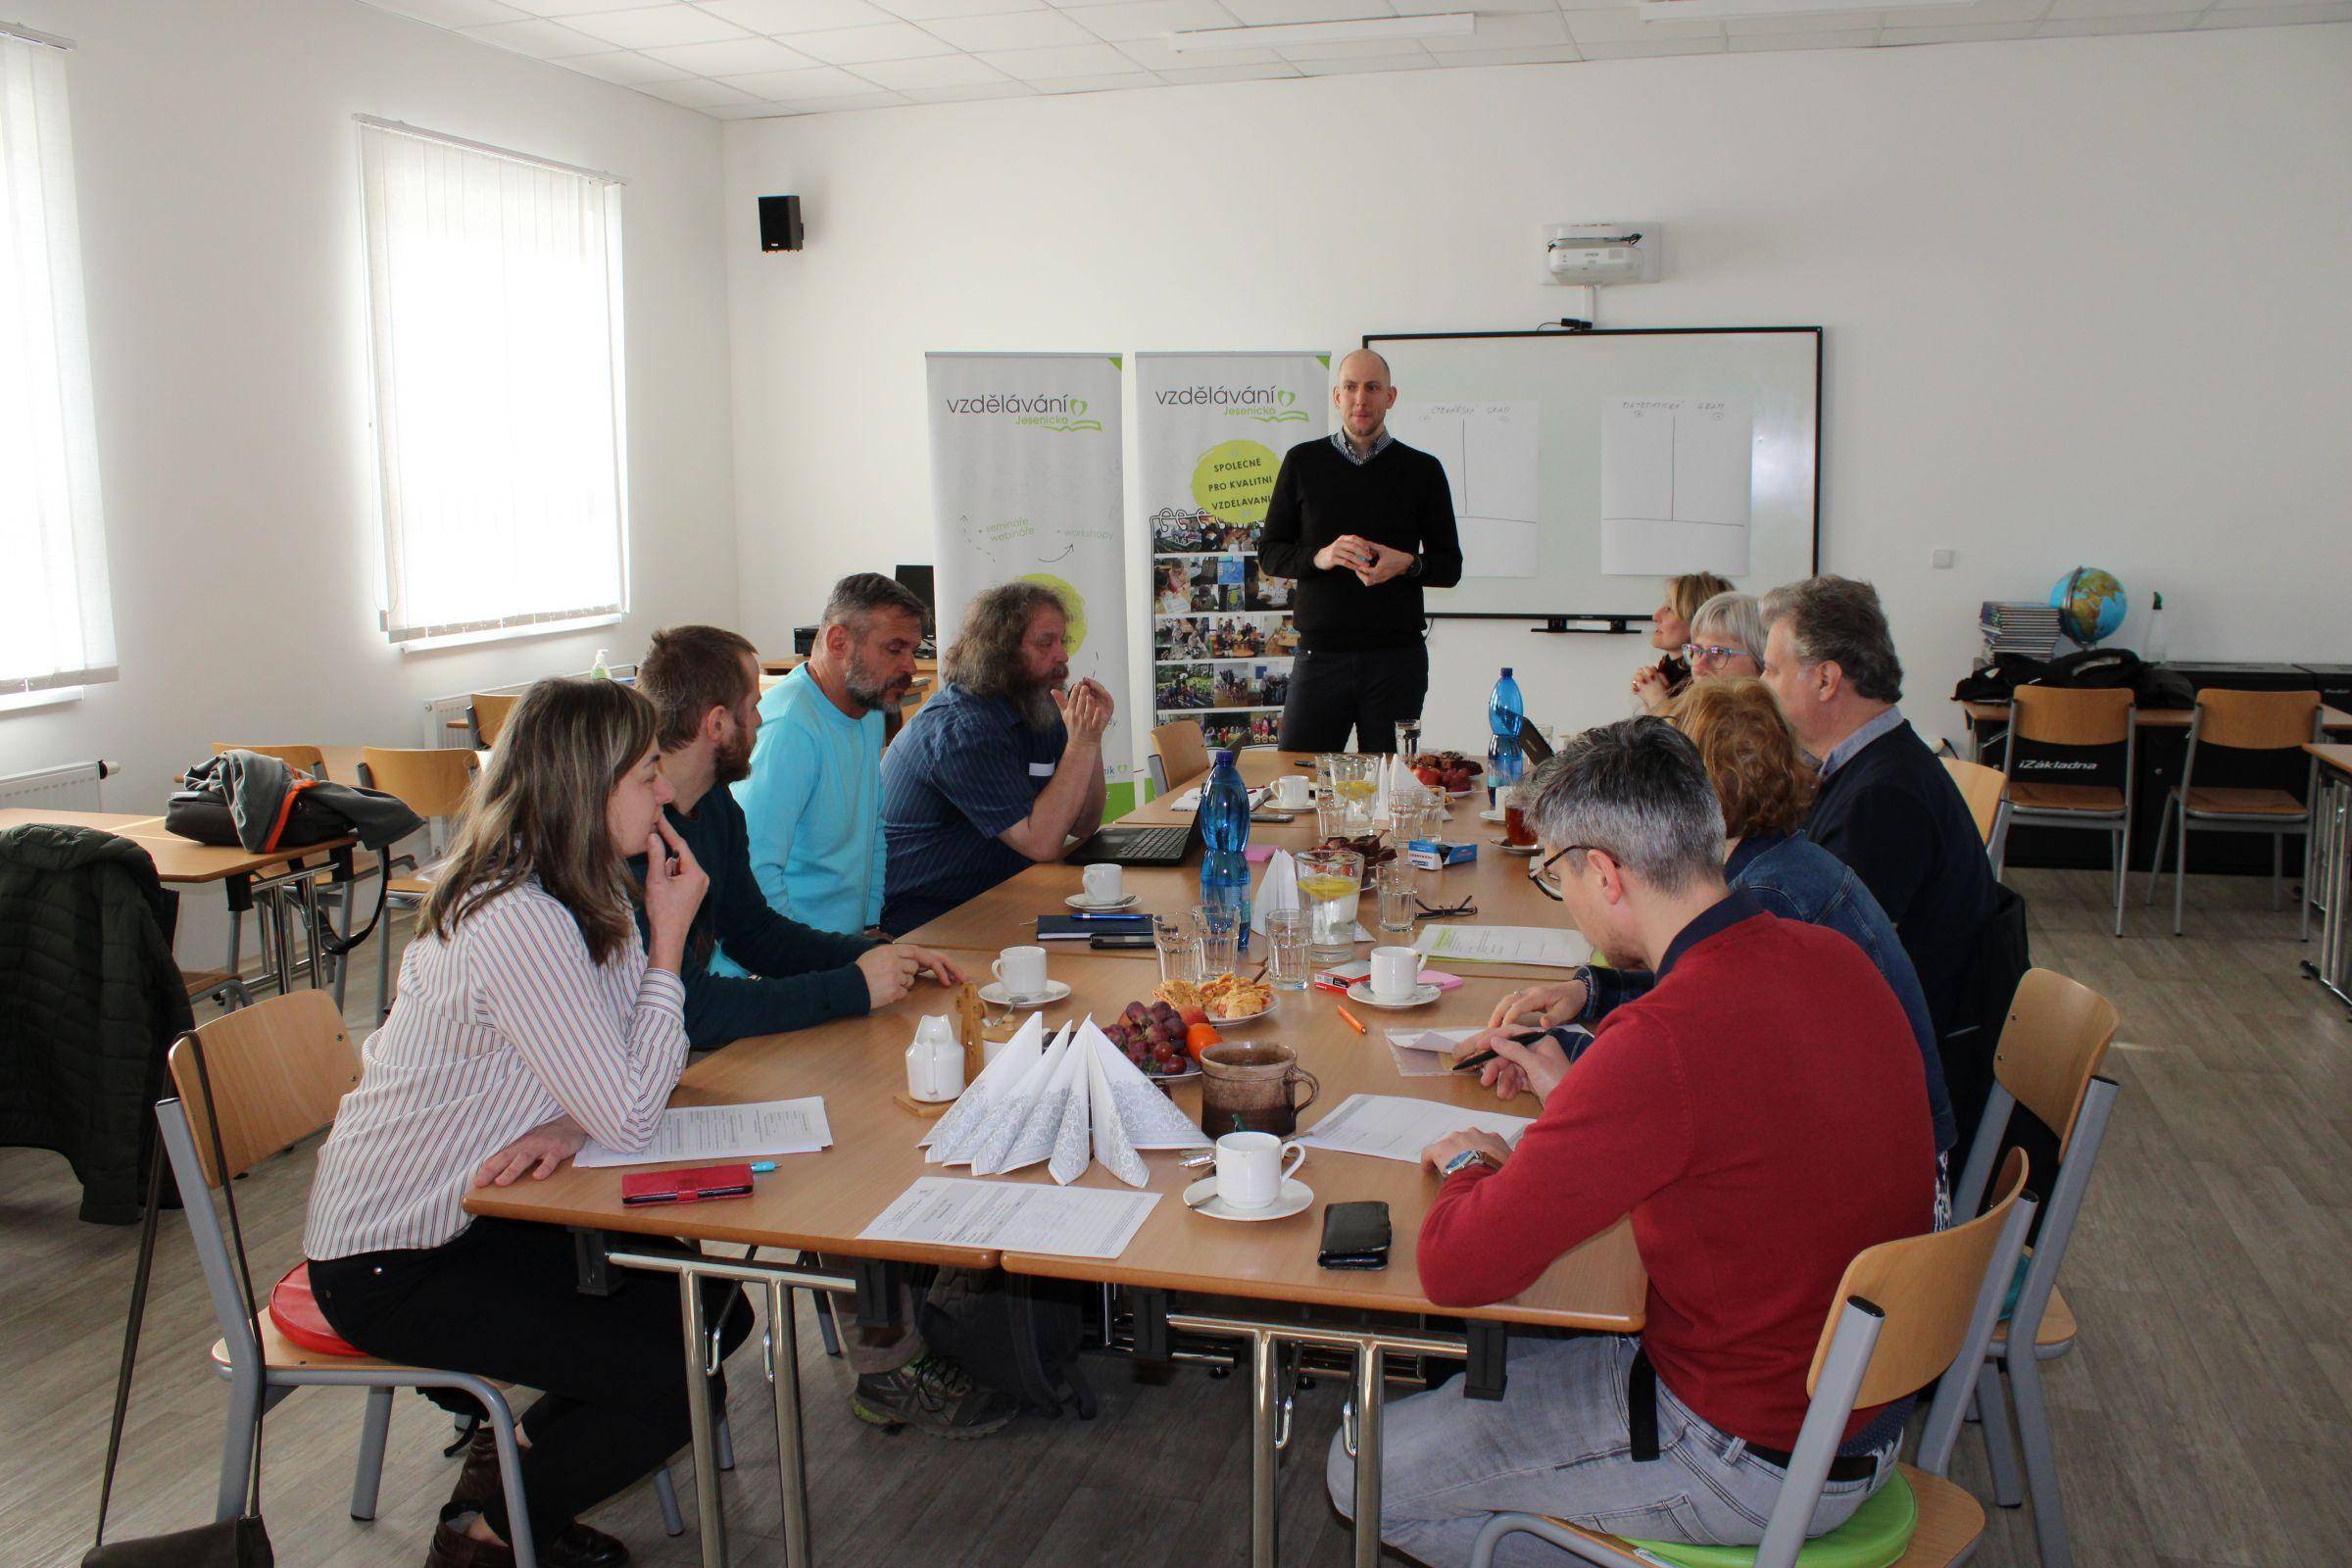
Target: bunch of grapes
{"type": "Point", "coordinates": [1152, 1036]}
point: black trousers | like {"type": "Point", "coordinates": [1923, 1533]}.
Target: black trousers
{"type": "Point", "coordinates": [501, 1301]}
{"type": "Point", "coordinates": [1370, 692]}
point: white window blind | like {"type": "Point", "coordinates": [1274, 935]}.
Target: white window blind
{"type": "Point", "coordinates": [57, 624]}
{"type": "Point", "coordinates": [494, 284]}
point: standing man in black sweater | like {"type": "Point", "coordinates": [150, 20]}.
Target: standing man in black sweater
{"type": "Point", "coordinates": [1365, 523]}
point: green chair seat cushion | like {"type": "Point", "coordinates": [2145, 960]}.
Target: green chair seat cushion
{"type": "Point", "coordinates": [1876, 1537]}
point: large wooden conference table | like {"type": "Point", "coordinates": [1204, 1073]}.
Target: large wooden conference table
{"type": "Point", "coordinates": [1257, 1284]}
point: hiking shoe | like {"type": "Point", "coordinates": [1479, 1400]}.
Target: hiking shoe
{"type": "Point", "coordinates": [932, 1395]}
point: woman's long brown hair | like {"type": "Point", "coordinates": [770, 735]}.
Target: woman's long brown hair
{"type": "Point", "coordinates": [538, 809]}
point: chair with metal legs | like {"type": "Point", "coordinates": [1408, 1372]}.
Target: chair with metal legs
{"type": "Point", "coordinates": [1905, 1313]}
{"type": "Point", "coordinates": [2243, 721]}
{"type": "Point", "coordinates": [435, 784]}
{"type": "Point", "coordinates": [2048, 1062]}
{"type": "Point", "coordinates": [2066, 717]}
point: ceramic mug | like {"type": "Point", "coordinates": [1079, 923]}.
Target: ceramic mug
{"type": "Point", "coordinates": [1021, 971]}
{"type": "Point", "coordinates": [1290, 792]}
{"type": "Point", "coordinates": [1248, 1088]}
{"type": "Point", "coordinates": [1396, 972]}
{"type": "Point", "coordinates": [1102, 884]}
{"type": "Point", "coordinates": [1252, 1166]}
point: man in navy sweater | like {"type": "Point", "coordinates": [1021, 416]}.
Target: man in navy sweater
{"type": "Point", "coordinates": [1365, 523]}
{"type": "Point", "coordinates": [1886, 807]}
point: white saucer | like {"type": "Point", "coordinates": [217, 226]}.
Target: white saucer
{"type": "Point", "coordinates": [996, 996]}
{"type": "Point", "coordinates": [1246, 1017]}
{"type": "Point", "coordinates": [1079, 901]}
{"type": "Point", "coordinates": [1295, 1198]}
{"type": "Point", "coordinates": [1490, 816]}
{"type": "Point", "coordinates": [1422, 997]}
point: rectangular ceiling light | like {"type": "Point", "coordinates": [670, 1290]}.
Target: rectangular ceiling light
{"type": "Point", "coordinates": [1704, 10]}
{"type": "Point", "coordinates": [1291, 34]}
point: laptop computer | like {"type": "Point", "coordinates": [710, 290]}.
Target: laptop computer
{"type": "Point", "coordinates": [1132, 844]}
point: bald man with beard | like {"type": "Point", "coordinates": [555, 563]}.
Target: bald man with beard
{"type": "Point", "coordinates": [1363, 523]}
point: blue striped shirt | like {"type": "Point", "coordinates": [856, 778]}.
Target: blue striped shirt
{"type": "Point", "coordinates": [1380, 444]}
{"type": "Point", "coordinates": [964, 770]}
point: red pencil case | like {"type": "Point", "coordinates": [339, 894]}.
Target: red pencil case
{"type": "Point", "coordinates": [700, 1184]}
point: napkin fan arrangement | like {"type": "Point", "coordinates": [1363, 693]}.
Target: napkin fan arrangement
{"type": "Point", "coordinates": [1068, 1103]}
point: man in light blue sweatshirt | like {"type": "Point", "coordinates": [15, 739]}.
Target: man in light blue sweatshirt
{"type": "Point", "coordinates": [813, 800]}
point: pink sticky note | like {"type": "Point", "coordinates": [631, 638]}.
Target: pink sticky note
{"type": "Point", "coordinates": [1258, 851]}
{"type": "Point", "coordinates": [1440, 979]}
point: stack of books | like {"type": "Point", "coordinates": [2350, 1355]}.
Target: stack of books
{"type": "Point", "coordinates": [2013, 627]}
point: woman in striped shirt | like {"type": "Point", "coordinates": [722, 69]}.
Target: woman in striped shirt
{"type": "Point", "coordinates": [525, 999]}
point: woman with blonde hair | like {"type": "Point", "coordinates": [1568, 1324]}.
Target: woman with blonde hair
{"type": "Point", "coordinates": [1727, 640]}
{"type": "Point", "coordinates": [1670, 630]}
{"type": "Point", "coordinates": [526, 997]}
{"type": "Point", "coordinates": [1765, 786]}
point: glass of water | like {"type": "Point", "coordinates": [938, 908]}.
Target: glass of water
{"type": "Point", "coordinates": [1396, 886]}
{"type": "Point", "coordinates": [1329, 881]}
{"type": "Point", "coordinates": [1220, 927]}
{"type": "Point", "coordinates": [1286, 949]}
{"type": "Point", "coordinates": [1179, 942]}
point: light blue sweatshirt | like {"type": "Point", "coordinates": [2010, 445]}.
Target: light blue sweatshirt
{"type": "Point", "coordinates": [813, 807]}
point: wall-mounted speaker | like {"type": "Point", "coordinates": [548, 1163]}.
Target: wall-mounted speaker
{"type": "Point", "coordinates": [779, 222]}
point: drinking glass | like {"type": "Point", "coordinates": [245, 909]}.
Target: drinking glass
{"type": "Point", "coordinates": [1355, 779]}
{"type": "Point", "coordinates": [1396, 886]}
{"type": "Point", "coordinates": [1416, 817]}
{"type": "Point", "coordinates": [1287, 962]}
{"type": "Point", "coordinates": [1220, 928]}
{"type": "Point", "coordinates": [1517, 832]}
{"type": "Point", "coordinates": [1179, 942]}
{"type": "Point", "coordinates": [1409, 739]}
{"type": "Point", "coordinates": [1329, 883]}
{"type": "Point", "coordinates": [1331, 816]}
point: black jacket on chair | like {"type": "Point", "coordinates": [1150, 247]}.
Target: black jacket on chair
{"type": "Point", "coordinates": [90, 998]}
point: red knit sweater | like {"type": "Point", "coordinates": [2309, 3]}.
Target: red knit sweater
{"type": "Point", "coordinates": [1761, 1117]}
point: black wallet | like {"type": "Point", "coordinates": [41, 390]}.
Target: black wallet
{"type": "Point", "coordinates": [1355, 1235]}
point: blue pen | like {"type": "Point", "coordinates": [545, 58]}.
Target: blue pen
{"type": "Point", "coordinates": [1130, 914]}
{"type": "Point", "coordinates": [763, 1167]}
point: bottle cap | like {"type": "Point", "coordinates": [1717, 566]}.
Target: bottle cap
{"type": "Point", "coordinates": [1224, 755]}
{"type": "Point", "coordinates": [1507, 672]}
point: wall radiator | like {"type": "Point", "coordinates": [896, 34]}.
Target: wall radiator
{"type": "Point", "coordinates": [72, 787]}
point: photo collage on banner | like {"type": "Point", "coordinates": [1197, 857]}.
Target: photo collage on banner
{"type": "Point", "coordinates": [1211, 432]}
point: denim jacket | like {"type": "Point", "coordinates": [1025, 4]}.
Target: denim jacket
{"type": "Point", "coordinates": [1796, 879]}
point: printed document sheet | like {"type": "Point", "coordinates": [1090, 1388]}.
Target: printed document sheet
{"type": "Point", "coordinates": [1547, 946]}
{"type": "Point", "coordinates": [725, 1132]}
{"type": "Point", "coordinates": [1014, 1217]}
{"type": "Point", "coordinates": [1393, 1127]}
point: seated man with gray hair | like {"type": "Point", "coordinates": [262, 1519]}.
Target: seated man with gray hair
{"type": "Point", "coordinates": [1762, 1117]}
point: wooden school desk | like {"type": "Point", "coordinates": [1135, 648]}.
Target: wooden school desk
{"type": "Point", "coordinates": [822, 1202]}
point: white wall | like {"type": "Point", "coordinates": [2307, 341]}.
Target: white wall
{"type": "Point", "coordinates": [2086, 301]}
{"type": "Point", "coordinates": [218, 168]}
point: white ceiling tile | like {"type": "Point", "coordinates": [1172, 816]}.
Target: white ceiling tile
{"type": "Point", "coordinates": [1484, 8]}
{"type": "Point", "coordinates": [848, 100]}
{"type": "Point", "coordinates": [1153, 18]}
{"type": "Point", "coordinates": [1982, 11]}
{"type": "Point", "coordinates": [1111, 82]}
{"type": "Point", "coordinates": [2278, 16]}
{"type": "Point", "coordinates": [856, 46]}
{"type": "Point", "coordinates": [1895, 37]}
{"type": "Point", "coordinates": [630, 69]}
{"type": "Point", "coordinates": [2276, 5]}
{"type": "Point", "coordinates": [656, 27]}
{"type": "Point", "coordinates": [1523, 29]}
{"type": "Point", "coordinates": [576, 8]}
{"type": "Point", "coordinates": [1018, 30]}
{"type": "Point", "coordinates": [451, 13]}
{"type": "Point", "coordinates": [1548, 54]}
{"type": "Point", "coordinates": [2076, 10]}
{"type": "Point", "coordinates": [1626, 26]}
{"type": "Point", "coordinates": [1361, 67]}
{"type": "Point", "coordinates": [1153, 55]}
{"type": "Point", "coordinates": [2102, 27]}
{"type": "Point", "coordinates": [929, 10]}
{"type": "Point", "coordinates": [1650, 48]}
{"type": "Point", "coordinates": [971, 92]}
{"type": "Point", "coordinates": [1761, 43]}
{"type": "Point", "coordinates": [1265, 13]}
{"type": "Point", "coordinates": [1270, 72]}
{"type": "Point", "coordinates": [696, 93]}
{"type": "Point", "coordinates": [776, 18]}
{"type": "Point", "coordinates": [732, 57]}
{"type": "Point", "coordinates": [1780, 27]}
{"type": "Point", "coordinates": [940, 71]}
{"type": "Point", "coordinates": [791, 87]}
{"type": "Point", "coordinates": [544, 41]}
{"type": "Point", "coordinates": [1071, 59]}
{"type": "Point", "coordinates": [1351, 49]}
{"type": "Point", "coordinates": [755, 109]}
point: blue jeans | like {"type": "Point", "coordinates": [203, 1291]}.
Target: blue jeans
{"type": "Point", "coordinates": [1558, 1445]}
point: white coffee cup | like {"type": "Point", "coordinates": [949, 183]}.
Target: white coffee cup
{"type": "Point", "coordinates": [1021, 971]}
{"type": "Point", "coordinates": [934, 1062]}
{"type": "Point", "coordinates": [1252, 1166]}
{"type": "Point", "coordinates": [1290, 791]}
{"type": "Point", "coordinates": [1396, 972]}
{"type": "Point", "coordinates": [1102, 884]}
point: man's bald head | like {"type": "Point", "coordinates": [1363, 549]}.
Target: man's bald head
{"type": "Point", "coordinates": [1365, 362]}
{"type": "Point", "coordinates": [1363, 394]}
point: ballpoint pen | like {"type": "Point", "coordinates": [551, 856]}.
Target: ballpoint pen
{"type": "Point", "coordinates": [1130, 914]}
{"type": "Point", "coordinates": [1353, 1022]}
{"type": "Point", "coordinates": [763, 1167]}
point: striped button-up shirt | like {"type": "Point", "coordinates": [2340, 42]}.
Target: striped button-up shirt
{"type": "Point", "coordinates": [1380, 444]}
{"type": "Point", "coordinates": [503, 1026]}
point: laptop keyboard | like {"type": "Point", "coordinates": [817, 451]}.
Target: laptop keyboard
{"type": "Point", "coordinates": [1157, 843]}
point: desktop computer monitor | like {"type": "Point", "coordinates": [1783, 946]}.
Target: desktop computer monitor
{"type": "Point", "coordinates": [918, 580]}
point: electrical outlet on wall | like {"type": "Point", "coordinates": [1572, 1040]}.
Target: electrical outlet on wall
{"type": "Point", "coordinates": [1940, 559]}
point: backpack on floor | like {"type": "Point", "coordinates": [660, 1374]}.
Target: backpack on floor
{"type": "Point", "coordinates": [1013, 1334]}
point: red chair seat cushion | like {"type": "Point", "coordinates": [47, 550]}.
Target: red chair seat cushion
{"type": "Point", "coordinates": [295, 1311]}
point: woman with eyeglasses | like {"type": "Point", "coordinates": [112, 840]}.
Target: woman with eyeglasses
{"type": "Point", "coordinates": [1727, 640]}
{"type": "Point", "coordinates": [1670, 631]}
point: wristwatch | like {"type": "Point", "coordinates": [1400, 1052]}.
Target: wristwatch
{"type": "Point", "coordinates": [1464, 1160]}
{"type": "Point", "coordinates": [1414, 570]}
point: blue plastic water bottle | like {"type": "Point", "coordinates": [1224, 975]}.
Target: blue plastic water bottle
{"type": "Point", "coordinates": [1224, 836]}
{"type": "Point", "coordinates": [1506, 712]}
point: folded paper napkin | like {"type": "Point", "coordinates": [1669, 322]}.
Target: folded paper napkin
{"type": "Point", "coordinates": [1278, 889]}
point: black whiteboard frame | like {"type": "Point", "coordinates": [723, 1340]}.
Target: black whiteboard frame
{"type": "Point", "coordinates": [1620, 623]}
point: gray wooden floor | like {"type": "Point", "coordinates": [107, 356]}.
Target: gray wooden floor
{"type": "Point", "coordinates": [2206, 1417]}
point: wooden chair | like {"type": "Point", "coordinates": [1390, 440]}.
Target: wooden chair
{"type": "Point", "coordinates": [436, 784]}
{"type": "Point", "coordinates": [2056, 715]}
{"type": "Point", "coordinates": [2048, 1062]}
{"type": "Point", "coordinates": [1182, 752]}
{"type": "Point", "coordinates": [277, 1070]}
{"type": "Point", "coordinates": [490, 711]}
{"type": "Point", "coordinates": [1906, 1313]}
{"type": "Point", "coordinates": [1985, 789]}
{"type": "Point", "coordinates": [2246, 721]}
